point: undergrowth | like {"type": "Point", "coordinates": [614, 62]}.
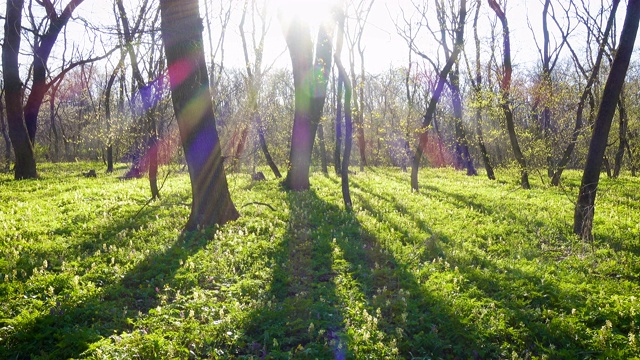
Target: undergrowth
{"type": "Point", "coordinates": [465, 268]}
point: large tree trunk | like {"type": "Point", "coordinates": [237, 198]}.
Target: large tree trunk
{"type": "Point", "coordinates": [584, 211]}
{"type": "Point", "coordinates": [191, 96]}
{"type": "Point", "coordinates": [310, 94]}
{"type": "Point", "coordinates": [505, 89]}
{"type": "Point", "coordinates": [25, 167]}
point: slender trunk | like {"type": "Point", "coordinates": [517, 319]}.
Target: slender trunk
{"type": "Point", "coordinates": [240, 149]}
{"type": "Point", "coordinates": [263, 146]}
{"type": "Point", "coordinates": [54, 126]}
{"type": "Point", "coordinates": [323, 149]}
{"type": "Point", "coordinates": [435, 97]}
{"type": "Point", "coordinates": [191, 96]}
{"type": "Point", "coordinates": [40, 58]}
{"type": "Point", "coordinates": [5, 133]}
{"type": "Point", "coordinates": [338, 129]}
{"type": "Point", "coordinates": [622, 136]}
{"type": "Point", "coordinates": [463, 156]}
{"type": "Point", "coordinates": [505, 90]}
{"type": "Point", "coordinates": [343, 78]}
{"type": "Point", "coordinates": [587, 95]}
{"type": "Point", "coordinates": [584, 210]}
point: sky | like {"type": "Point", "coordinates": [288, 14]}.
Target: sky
{"type": "Point", "coordinates": [384, 48]}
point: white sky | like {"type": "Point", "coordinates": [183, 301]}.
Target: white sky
{"type": "Point", "coordinates": [383, 46]}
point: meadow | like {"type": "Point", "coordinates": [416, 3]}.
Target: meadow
{"type": "Point", "coordinates": [467, 268]}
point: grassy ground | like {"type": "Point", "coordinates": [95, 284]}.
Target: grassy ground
{"type": "Point", "coordinates": [467, 268]}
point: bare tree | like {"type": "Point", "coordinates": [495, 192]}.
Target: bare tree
{"type": "Point", "coordinates": [443, 73]}
{"type": "Point", "coordinates": [586, 98]}
{"type": "Point", "coordinates": [505, 93]}
{"type": "Point", "coordinates": [343, 78]}
{"type": "Point", "coordinates": [255, 72]}
{"type": "Point", "coordinates": [182, 36]}
{"type": "Point", "coordinates": [584, 211]}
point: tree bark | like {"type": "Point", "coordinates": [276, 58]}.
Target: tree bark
{"type": "Point", "coordinates": [584, 210]}
{"type": "Point", "coordinates": [182, 35]}
{"type": "Point", "coordinates": [338, 128]}
{"type": "Point", "coordinates": [25, 167]}
{"type": "Point", "coordinates": [623, 126]}
{"type": "Point", "coordinates": [348, 124]}
{"type": "Point", "coordinates": [310, 94]}
{"type": "Point", "coordinates": [505, 90]}
{"type": "Point", "coordinates": [463, 156]}
{"type": "Point", "coordinates": [5, 133]}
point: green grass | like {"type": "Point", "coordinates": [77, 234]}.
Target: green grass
{"type": "Point", "coordinates": [467, 268]}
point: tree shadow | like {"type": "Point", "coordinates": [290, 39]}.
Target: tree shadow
{"type": "Point", "coordinates": [103, 307]}
{"type": "Point", "coordinates": [339, 292]}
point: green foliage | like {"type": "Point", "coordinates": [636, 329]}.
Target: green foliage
{"type": "Point", "coordinates": [467, 268]}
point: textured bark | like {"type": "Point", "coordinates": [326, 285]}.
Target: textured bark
{"type": "Point", "coordinates": [191, 96]}
{"type": "Point", "coordinates": [584, 210]}
{"type": "Point", "coordinates": [463, 156]}
{"type": "Point", "coordinates": [310, 80]}
{"type": "Point", "coordinates": [5, 133]}
{"type": "Point", "coordinates": [505, 93]}
{"type": "Point", "coordinates": [25, 167]}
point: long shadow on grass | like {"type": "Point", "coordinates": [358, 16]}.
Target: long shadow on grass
{"type": "Point", "coordinates": [532, 305]}
{"type": "Point", "coordinates": [73, 323]}
{"type": "Point", "coordinates": [339, 292]}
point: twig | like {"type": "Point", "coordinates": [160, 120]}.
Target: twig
{"type": "Point", "coordinates": [258, 203]}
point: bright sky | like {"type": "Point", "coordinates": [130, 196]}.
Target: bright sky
{"type": "Point", "coordinates": [383, 46]}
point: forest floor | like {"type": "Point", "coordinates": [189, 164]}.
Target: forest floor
{"type": "Point", "coordinates": [467, 268]}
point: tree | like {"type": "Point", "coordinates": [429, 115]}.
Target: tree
{"type": "Point", "coordinates": [587, 92]}
{"type": "Point", "coordinates": [343, 78]}
{"type": "Point", "coordinates": [584, 210]}
{"type": "Point", "coordinates": [310, 78]}
{"type": "Point", "coordinates": [362, 9]}
{"type": "Point", "coordinates": [505, 93]}
{"type": "Point", "coordinates": [181, 29]}
{"type": "Point", "coordinates": [255, 74]}
{"type": "Point", "coordinates": [429, 114]}
{"type": "Point", "coordinates": [25, 167]}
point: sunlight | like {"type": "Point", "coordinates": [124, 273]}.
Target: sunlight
{"type": "Point", "coordinates": [313, 12]}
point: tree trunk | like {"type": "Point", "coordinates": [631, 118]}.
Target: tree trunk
{"type": "Point", "coordinates": [338, 128]}
{"type": "Point", "coordinates": [463, 156]}
{"type": "Point", "coordinates": [263, 146]}
{"type": "Point", "coordinates": [622, 136]}
{"type": "Point", "coordinates": [310, 94]}
{"type": "Point", "coordinates": [5, 133]}
{"type": "Point", "coordinates": [25, 167]}
{"type": "Point", "coordinates": [343, 78]}
{"type": "Point", "coordinates": [584, 210]}
{"type": "Point", "coordinates": [182, 35]}
{"type": "Point", "coordinates": [505, 90]}
{"type": "Point", "coordinates": [323, 149]}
